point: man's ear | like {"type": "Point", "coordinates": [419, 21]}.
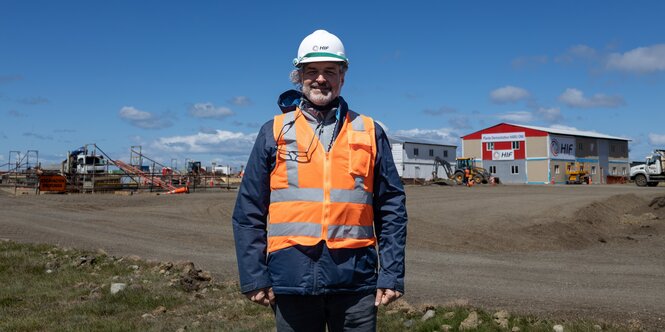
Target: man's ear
{"type": "Point", "coordinates": [341, 79]}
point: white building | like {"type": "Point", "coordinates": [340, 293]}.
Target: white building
{"type": "Point", "coordinates": [414, 157]}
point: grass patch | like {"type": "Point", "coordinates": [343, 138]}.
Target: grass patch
{"type": "Point", "coordinates": [47, 288]}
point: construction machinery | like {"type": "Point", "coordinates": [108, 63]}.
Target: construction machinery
{"type": "Point", "coordinates": [450, 175]}
{"type": "Point", "coordinates": [576, 173]}
{"type": "Point", "coordinates": [84, 161]}
{"type": "Point", "coordinates": [477, 173]}
{"type": "Point", "coordinates": [456, 176]}
{"type": "Point", "coordinates": [651, 172]}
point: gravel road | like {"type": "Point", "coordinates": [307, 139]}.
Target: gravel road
{"type": "Point", "coordinates": [563, 252]}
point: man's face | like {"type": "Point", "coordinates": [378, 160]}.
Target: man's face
{"type": "Point", "coordinates": [322, 82]}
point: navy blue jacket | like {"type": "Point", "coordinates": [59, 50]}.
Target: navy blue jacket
{"type": "Point", "coordinates": [314, 270]}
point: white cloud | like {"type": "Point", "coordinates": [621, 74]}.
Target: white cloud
{"type": "Point", "coordinates": [552, 114]}
{"type": "Point", "coordinates": [33, 100]}
{"type": "Point", "coordinates": [576, 98]}
{"type": "Point", "coordinates": [443, 135]}
{"type": "Point", "coordinates": [208, 110]}
{"type": "Point", "coordinates": [582, 51]}
{"type": "Point", "coordinates": [526, 61]}
{"type": "Point", "coordinates": [639, 60]}
{"type": "Point", "coordinates": [220, 141]}
{"type": "Point", "coordinates": [240, 101]}
{"type": "Point", "coordinates": [133, 114]}
{"type": "Point", "coordinates": [142, 119]}
{"type": "Point", "coordinates": [577, 52]}
{"type": "Point", "coordinates": [508, 94]}
{"type": "Point", "coordinates": [16, 114]}
{"type": "Point", "coordinates": [12, 78]}
{"type": "Point", "coordinates": [460, 123]}
{"type": "Point", "coordinates": [520, 116]}
{"type": "Point", "coordinates": [657, 139]}
{"type": "Point", "coordinates": [440, 111]}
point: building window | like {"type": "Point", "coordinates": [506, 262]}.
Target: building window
{"type": "Point", "coordinates": [516, 145]}
{"type": "Point", "coordinates": [490, 146]}
{"type": "Point", "coordinates": [614, 171]}
{"type": "Point", "coordinates": [445, 153]}
{"type": "Point", "coordinates": [556, 169]}
{"type": "Point", "coordinates": [591, 146]}
{"type": "Point", "coordinates": [415, 151]}
{"type": "Point", "coordinates": [493, 169]}
{"type": "Point", "coordinates": [613, 148]}
{"type": "Point", "coordinates": [514, 169]}
{"type": "Point", "coordinates": [431, 152]}
{"type": "Point", "coordinates": [593, 169]}
{"type": "Point", "coordinates": [623, 171]}
{"type": "Point", "coordinates": [580, 146]}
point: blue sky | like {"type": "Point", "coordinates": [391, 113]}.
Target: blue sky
{"type": "Point", "coordinates": [196, 79]}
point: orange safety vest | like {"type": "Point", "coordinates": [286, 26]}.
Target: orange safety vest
{"type": "Point", "coordinates": [317, 195]}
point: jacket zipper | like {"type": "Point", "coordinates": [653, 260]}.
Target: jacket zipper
{"type": "Point", "coordinates": [326, 196]}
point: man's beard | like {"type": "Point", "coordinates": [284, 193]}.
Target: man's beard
{"type": "Point", "coordinates": [317, 96]}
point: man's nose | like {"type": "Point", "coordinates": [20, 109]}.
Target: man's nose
{"type": "Point", "coordinates": [320, 78]}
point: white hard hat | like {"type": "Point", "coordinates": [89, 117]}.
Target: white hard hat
{"type": "Point", "coordinates": [320, 46]}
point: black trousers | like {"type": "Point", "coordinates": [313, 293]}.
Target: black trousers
{"type": "Point", "coordinates": [338, 312]}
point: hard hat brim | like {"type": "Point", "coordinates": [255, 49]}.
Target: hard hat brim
{"type": "Point", "coordinates": [320, 57]}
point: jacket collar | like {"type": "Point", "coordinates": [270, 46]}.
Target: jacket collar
{"type": "Point", "coordinates": [291, 99]}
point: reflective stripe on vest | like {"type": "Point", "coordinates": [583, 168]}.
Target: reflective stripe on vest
{"type": "Point", "coordinates": [305, 208]}
{"type": "Point", "coordinates": [291, 145]}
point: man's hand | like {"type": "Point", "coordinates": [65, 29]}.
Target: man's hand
{"type": "Point", "coordinates": [385, 296]}
{"type": "Point", "coordinates": [263, 296]}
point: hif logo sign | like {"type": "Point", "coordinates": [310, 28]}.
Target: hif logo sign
{"type": "Point", "coordinates": [562, 147]}
{"type": "Point", "coordinates": [503, 155]}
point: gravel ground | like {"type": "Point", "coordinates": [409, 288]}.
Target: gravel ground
{"type": "Point", "coordinates": [562, 252]}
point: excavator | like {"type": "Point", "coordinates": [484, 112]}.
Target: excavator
{"type": "Point", "coordinates": [478, 174]}
{"type": "Point", "coordinates": [451, 176]}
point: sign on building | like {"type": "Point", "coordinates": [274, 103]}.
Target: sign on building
{"type": "Point", "coordinates": [503, 137]}
{"type": "Point", "coordinates": [503, 155]}
{"type": "Point", "coordinates": [562, 147]}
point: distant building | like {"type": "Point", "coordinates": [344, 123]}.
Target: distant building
{"type": "Point", "coordinates": [529, 154]}
{"type": "Point", "coordinates": [414, 157]}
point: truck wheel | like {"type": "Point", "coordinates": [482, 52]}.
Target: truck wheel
{"type": "Point", "coordinates": [459, 177]}
{"type": "Point", "coordinates": [640, 180]}
{"type": "Point", "coordinates": [478, 179]}
{"type": "Point", "coordinates": [652, 184]}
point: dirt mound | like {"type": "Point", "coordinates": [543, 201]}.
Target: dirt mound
{"type": "Point", "coordinates": [618, 219]}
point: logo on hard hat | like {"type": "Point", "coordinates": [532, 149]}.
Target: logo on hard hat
{"type": "Point", "coordinates": [315, 48]}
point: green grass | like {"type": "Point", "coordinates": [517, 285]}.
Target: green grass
{"type": "Point", "coordinates": [46, 288]}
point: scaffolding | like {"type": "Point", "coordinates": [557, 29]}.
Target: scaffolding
{"type": "Point", "coordinates": [22, 171]}
{"type": "Point", "coordinates": [89, 169]}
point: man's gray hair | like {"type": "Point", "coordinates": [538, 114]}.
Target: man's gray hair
{"type": "Point", "coordinates": [296, 75]}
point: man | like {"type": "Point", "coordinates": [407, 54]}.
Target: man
{"type": "Point", "coordinates": [320, 192]}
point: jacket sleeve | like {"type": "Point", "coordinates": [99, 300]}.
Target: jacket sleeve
{"type": "Point", "coordinates": [251, 212]}
{"type": "Point", "coordinates": [390, 217]}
